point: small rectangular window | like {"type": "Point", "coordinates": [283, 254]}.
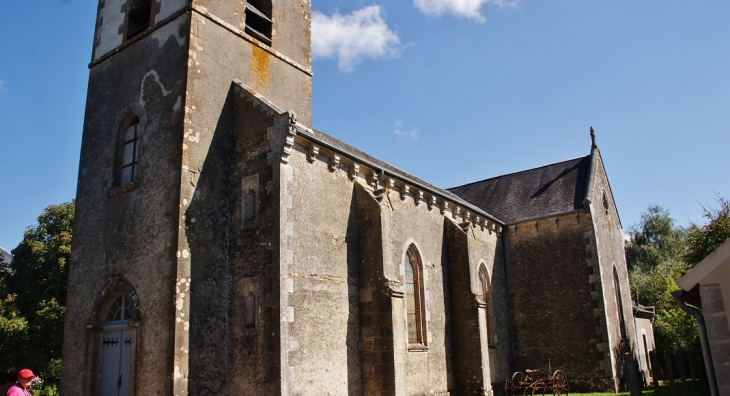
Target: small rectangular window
{"type": "Point", "coordinates": [250, 303]}
{"type": "Point", "coordinates": [249, 319]}
{"type": "Point", "coordinates": [249, 200]}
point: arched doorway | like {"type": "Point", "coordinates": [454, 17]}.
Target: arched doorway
{"type": "Point", "coordinates": [114, 339]}
{"type": "Point", "coordinates": [116, 346]}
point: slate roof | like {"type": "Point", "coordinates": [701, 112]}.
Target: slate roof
{"type": "Point", "coordinates": [533, 193]}
{"type": "Point", "coordinates": [346, 149]}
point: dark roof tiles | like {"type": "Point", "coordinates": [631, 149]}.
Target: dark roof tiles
{"type": "Point", "coordinates": [533, 193]}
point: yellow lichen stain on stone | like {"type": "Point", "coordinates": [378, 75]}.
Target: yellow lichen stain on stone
{"type": "Point", "coordinates": [260, 68]}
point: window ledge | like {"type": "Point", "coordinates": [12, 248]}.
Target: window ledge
{"type": "Point", "coordinates": [122, 189]}
{"type": "Point", "coordinates": [417, 348]}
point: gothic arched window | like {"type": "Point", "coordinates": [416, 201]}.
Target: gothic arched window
{"type": "Point", "coordinates": [118, 310]}
{"type": "Point", "coordinates": [258, 19]}
{"type": "Point", "coordinates": [619, 304]}
{"type": "Point", "coordinates": [488, 309]}
{"type": "Point", "coordinates": [414, 297]}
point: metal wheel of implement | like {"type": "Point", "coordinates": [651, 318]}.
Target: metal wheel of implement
{"type": "Point", "coordinates": [560, 383]}
{"type": "Point", "coordinates": [517, 384]}
{"type": "Point", "coordinates": [517, 378]}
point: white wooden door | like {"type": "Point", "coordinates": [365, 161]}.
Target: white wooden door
{"type": "Point", "coordinates": [124, 363]}
{"type": "Point", "coordinates": [115, 362]}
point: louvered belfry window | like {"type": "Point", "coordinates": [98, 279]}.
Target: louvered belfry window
{"type": "Point", "coordinates": [139, 17]}
{"type": "Point", "coordinates": [413, 299]}
{"type": "Point", "coordinates": [258, 20]}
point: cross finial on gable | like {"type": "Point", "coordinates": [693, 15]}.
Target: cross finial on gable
{"type": "Point", "coordinates": [593, 139]}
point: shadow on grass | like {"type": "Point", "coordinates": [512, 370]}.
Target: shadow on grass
{"type": "Point", "coordinates": [690, 388]}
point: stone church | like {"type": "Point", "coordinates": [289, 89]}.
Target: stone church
{"type": "Point", "coordinates": [224, 247]}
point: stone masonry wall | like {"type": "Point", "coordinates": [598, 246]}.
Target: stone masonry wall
{"type": "Point", "coordinates": [610, 256]}
{"type": "Point", "coordinates": [254, 297]}
{"type": "Point", "coordinates": [221, 52]}
{"type": "Point", "coordinates": [500, 354]}
{"type": "Point", "coordinates": [291, 33]}
{"type": "Point", "coordinates": [355, 289]}
{"type": "Point", "coordinates": [468, 318]}
{"type": "Point", "coordinates": [128, 232]}
{"type": "Point", "coordinates": [382, 327]}
{"type": "Point", "coordinates": [234, 297]}
{"type": "Point", "coordinates": [558, 314]}
{"type": "Point", "coordinates": [325, 344]}
{"type": "Point", "coordinates": [236, 267]}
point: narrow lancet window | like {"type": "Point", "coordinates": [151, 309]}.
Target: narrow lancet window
{"type": "Point", "coordinates": [619, 304]}
{"type": "Point", "coordinates": [488, 310]}
{"type": "Point", "coordinates": [414, 302]}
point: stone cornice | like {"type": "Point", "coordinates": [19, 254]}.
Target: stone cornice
{"type": "Point", "coordinates": [378, 178]}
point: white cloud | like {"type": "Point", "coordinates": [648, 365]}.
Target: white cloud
{"type": "Point", "coordinates": [353, 37]}
{"type": "Point", "coordinates": [400, 131]}
{"type": "Point", "coordinates": [2, 85]}
{"type": "Point", "coordinates": [463, 8]}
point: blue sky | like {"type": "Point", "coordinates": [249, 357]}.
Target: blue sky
{"type": "Point", "coordinates": [451, 91]}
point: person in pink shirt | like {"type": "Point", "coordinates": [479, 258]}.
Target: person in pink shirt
{"type": "Point", "coordinates": [20, 388]}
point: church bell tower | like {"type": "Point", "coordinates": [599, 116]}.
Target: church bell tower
{"type": "Point", "coordinates": [188, 102]}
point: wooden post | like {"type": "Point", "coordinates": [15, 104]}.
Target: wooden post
{"type": "Point", "coordinates": [670, 371]}
{"type": "Point", "coordinates": [692, 367]}
{"type": "Point", "coordinates": [682, 372]}
{"type": "Point", "coordinates": [654, 372]}
{"type": "Point", "coordinates": [702, 370]}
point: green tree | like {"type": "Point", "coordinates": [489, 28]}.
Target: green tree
{"type": "Point", "coordinates": [40, 262]}
{"type": "Point", "coordinates": [14, 335]}
{"type": "Point", "coordinates": [702, 240]}
{"type": "Point", "coordinates": [655, 239]}
{"type": "Point", "coordinates": [33, 293]}
{"type": "Point", "coordinates": [655, 257]}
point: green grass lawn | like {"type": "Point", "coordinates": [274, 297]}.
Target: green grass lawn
{"type": "Point", "coordinates": [691, 388]}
